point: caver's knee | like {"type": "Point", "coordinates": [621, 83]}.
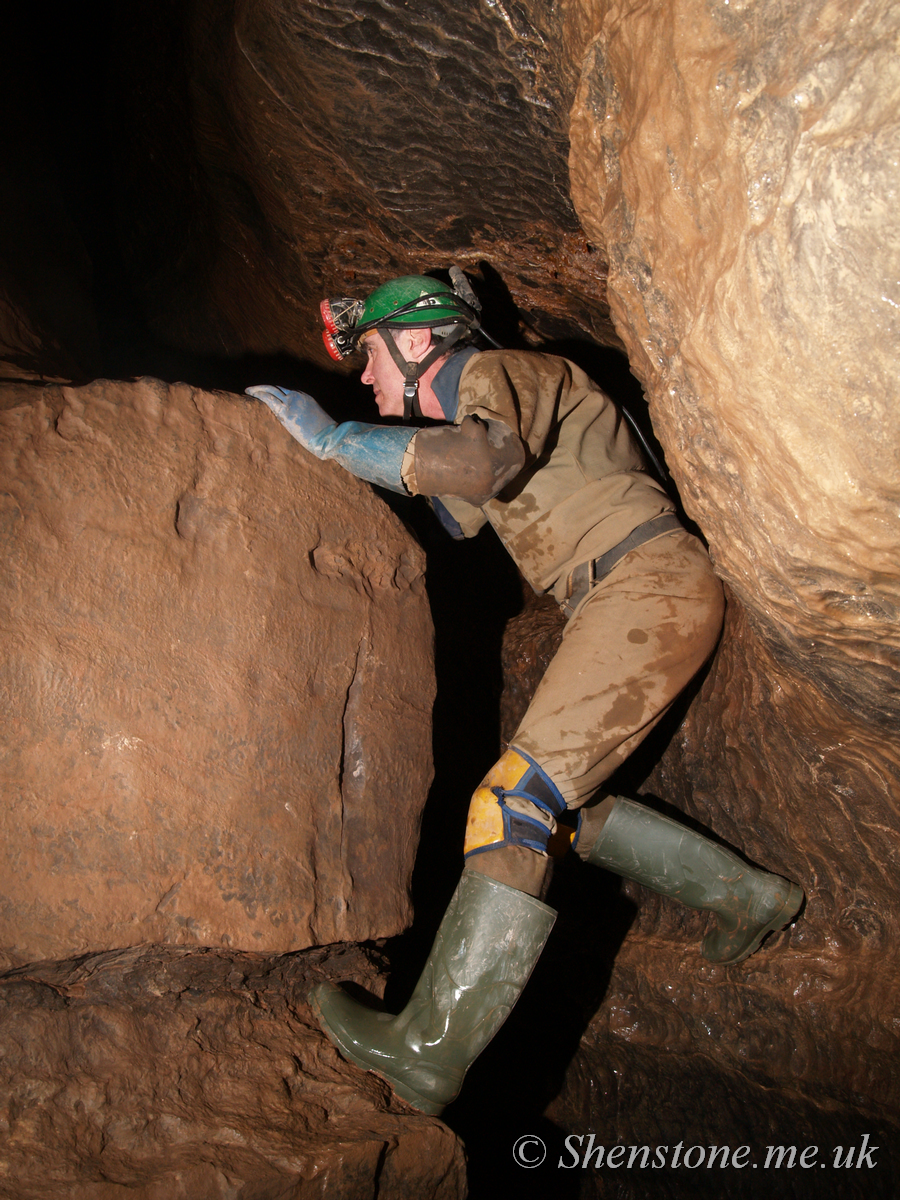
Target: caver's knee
{"type": "Point", "coordinates": [513, 827]}
{"type": "Point", "coordinates": [516, 804]}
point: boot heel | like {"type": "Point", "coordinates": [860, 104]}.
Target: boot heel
{"type": "Point", "coordinates": [721, 946]}
{"type": "Point", "coordinates": [487, 944]}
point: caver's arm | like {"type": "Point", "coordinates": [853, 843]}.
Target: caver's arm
{"type": "Point", "coordinates": [473, 461]}
{"type": "Point", "coordinates": [371, 452]}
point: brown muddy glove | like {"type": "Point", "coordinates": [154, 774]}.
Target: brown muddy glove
{"type": "Point", "coordinates": [474, 460]}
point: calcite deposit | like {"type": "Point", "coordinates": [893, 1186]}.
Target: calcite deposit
{"type": "Point", "coordinates": [217, 680]}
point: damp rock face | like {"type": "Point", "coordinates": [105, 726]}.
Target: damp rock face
{"type": "Point", "coordinates": [173, 1073]}
{"type": "Point", "coordinates": [739, 166]}
{"type": "Point", "coordinates": [743, 183]}
{"type": "Point", "coordinates": [218, 680]}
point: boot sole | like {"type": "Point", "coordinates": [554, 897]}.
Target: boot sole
{"type": "Point", "coordinates": [781, 920]}
{"type": "Point", "coordinates": [428, 1107]}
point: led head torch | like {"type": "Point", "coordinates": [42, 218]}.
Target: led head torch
{"type": "Point", "coordinates": [339, 316]}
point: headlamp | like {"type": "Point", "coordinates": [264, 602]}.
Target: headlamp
{"type": "Point", "coordinates": [339, 316]}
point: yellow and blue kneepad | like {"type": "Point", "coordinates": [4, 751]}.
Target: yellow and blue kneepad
{"type": "Point", "coordinates": [515, 804]}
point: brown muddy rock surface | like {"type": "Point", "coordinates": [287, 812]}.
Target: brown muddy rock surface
{"type": "Point", "coordinates": [739, 165]}
{"type": "Point", "coordinates": [217, 680]}
{"type": "Point", "coordinates": [175, 1074]}
{"type": "Point", "coordinates": [743, 182]}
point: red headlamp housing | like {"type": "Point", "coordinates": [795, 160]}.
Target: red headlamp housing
{"type": "Point", "coordinates": [328, 317]}
{"type": "Point", "coordinates": [339, 316]}
{"type": "Point", "coordinates": [337, 344]}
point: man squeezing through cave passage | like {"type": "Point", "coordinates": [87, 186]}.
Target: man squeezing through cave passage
{"type": "Point", "coordinates": [528, 443]}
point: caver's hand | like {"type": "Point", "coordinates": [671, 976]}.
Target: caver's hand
{"type": "Point", "coordinates": [302, 417]}
{"type": "Point", "coordinates": [371, 452]}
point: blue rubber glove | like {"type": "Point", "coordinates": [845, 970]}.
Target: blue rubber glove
{"type": "Point", "coordinates": [371, 452]}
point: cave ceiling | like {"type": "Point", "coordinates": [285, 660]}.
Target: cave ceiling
{"type": "Point", "coordinates": [333, 144]}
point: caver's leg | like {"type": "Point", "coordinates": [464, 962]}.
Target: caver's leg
{"type": "Point", "coordinates": [668, 857]}
{"type": "Point", "coordinates": [487, 944]}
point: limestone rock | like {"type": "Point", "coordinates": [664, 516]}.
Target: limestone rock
{"type": "Point", "coordinates": [179, 1074]}
{"type": "Point", "coordinates": [739, 163]}
{"type": "Point", "coordinates": [218, 680]}
{"type": "Point", "coordinates": [743, 182]}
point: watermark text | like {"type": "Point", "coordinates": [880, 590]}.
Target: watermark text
{"type": "Point", "coordinates": [584, 1151]}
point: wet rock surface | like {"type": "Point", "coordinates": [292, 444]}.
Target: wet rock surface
{"type": "Point", "coordinates": [218, 677]}
{"type": "Point", "coordinates": [161, 1073]}
{"type": "Point", "coordinates": [742, 183]}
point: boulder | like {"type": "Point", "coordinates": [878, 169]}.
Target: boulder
{"type": "Point", "coordinates": [217, 686]}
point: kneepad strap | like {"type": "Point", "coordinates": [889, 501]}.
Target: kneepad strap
{"type": "Point", "coordinates": [516, 804]}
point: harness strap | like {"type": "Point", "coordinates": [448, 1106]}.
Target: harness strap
{"type": "Point", "coordinates": [589, 574]}
{"type": "Point", "coordinates": [412, 370]}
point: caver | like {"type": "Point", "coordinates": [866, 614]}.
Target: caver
{"type": "Point", "coordinates": [529, 444]}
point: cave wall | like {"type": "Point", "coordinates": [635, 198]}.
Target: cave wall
{"type": "Point", "coordinates": [742, 182]}
{"type": "Point", "coordinates": [333, 144]}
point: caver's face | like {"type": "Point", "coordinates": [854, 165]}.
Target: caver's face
{"type": "Point", "coordinates": [381, 372]}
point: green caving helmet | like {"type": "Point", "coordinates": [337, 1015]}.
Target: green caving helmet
{"type": "Point", "coordinates": [408, 302]}
{"type": "Point", "coordinates": [413, 302]}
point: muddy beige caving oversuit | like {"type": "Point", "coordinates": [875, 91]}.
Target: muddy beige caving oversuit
{"type": "Point", "coordinates": [533, 447]}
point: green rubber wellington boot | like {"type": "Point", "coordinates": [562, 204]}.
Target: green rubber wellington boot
{"type": "Point", "coordinates": [487, 944]}
{"type": "Point", "coordinates": [672, 859]}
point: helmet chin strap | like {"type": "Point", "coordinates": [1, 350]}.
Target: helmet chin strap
{"type": "Point", "coordinates": [411, 371]}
